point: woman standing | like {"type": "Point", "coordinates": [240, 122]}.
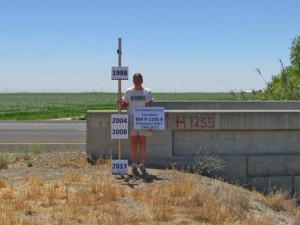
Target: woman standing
{"type": "Point", "coordinates": [137, 96]}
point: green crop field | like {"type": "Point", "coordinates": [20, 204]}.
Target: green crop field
{"type": "Point", "coordinates": [39, 106]}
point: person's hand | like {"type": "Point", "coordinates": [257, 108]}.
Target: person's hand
{"type": "Point", "coordinates": [119, 101]}
{"type": "Point", "coordinates": [122, 104]}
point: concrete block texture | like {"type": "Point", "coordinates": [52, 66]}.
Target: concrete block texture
{"type": "Point", "coordinates": [235, 168]}
{"type": "Point", "coordinates": [229, 105]}
{"type": "Point", "coordinates": [274, 165]}
{"type": "Point", "coordinates": [272, 183]}
{"type": "Point", "coordinates": [297, 184]}
{"type": "Point", "coordinates": [187, 142]}
{"type": "Point", "coordinates": [232, 119]}
{"type": "Point", "coordinates": [261, 146]}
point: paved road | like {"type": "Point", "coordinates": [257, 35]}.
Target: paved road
{"type": "Point", "coordinates": [51, 135]}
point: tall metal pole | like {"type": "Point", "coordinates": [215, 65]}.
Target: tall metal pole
{"type": "Point", "coordinates": [119, 87]}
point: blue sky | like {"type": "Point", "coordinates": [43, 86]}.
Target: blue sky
{"type": "Point", "coordinates": [182, 46]}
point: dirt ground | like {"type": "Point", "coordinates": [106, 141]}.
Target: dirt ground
{"type": "Point", "coordinates": [52, 166]}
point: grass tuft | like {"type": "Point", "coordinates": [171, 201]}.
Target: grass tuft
{"type": "Point", "coordinates": [3, 160]}
{"type": "Point", "coordinates": [281, 201]}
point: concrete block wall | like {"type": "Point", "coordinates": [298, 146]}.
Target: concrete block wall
{"type": "Point", "coordinates": [261, 146]}
{"type": "Point", "coordinates": [229, 105]}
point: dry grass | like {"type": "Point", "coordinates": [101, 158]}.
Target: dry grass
{"type": "Point", "coordinates": [280, 201]}
{"type": "Point", "coordinates": [97, 197]}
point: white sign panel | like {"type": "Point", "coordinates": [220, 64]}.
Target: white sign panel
{"type": "Point", "coordinates": [119, 73]}
{"type": "Point", "coordinates": [119, 166]}
{"type": "Point", "coordinates": [119, 126]}
{"type": "Point", "coordinates": [149, 118]}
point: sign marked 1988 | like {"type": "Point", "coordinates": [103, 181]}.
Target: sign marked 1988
{"type": "Point", "coordinates": [119, 126]}
{"type": "Point", "coordinates": [119, 73]}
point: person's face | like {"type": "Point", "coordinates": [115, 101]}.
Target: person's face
{"type": "Point", "coordinates": [137, 81]}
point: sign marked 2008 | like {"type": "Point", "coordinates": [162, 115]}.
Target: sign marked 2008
{"type": "Point", "coordinates": [119, 126]}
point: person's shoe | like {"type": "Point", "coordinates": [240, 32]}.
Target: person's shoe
{"type": "Point", "coordinates": [134, 167]}
{"type": "Point", "coordinates": [142, 168]}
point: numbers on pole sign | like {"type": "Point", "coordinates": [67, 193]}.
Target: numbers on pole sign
{"type": "Point", "coordinates": [119, 166]}
{"type": "Point", "coordinates": [119, 73]}
{"type": "Point", "coordinates": [119, 120]}
{"type": "Point", "coordinates": [119, 126]}
{"type": "Point", "coordinates": [119, 131]}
